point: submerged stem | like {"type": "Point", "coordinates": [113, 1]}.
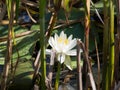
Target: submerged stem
{"type": "Point", "coordinates": [57, 76]}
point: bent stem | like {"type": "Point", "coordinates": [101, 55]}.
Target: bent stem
{"type": "Point", "coordinates": [57, 76]}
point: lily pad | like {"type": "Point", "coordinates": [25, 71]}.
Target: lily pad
{"type": "Point", "coordinates": [23, 77]}
{"type": "Point", "coordinates": [24, 45]}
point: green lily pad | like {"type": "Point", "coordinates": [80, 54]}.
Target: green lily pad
{"type": "Point", "coordinates": [24, 45]}
{"type": "Point", "coordinates": [75, 14]}
{"type": "Point", "coordinates": [23, 77]}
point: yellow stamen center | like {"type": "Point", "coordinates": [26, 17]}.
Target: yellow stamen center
{"type": "Point", "coordinates": [62, 40]}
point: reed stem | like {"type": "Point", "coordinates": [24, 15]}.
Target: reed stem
{"type": "Point", "coordinates": [42, 8]}
{"type": "Point", "coordinates": [57, 76]}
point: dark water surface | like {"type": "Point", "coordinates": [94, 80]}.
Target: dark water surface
{"type": "Point", "coordinates": [1, 68]}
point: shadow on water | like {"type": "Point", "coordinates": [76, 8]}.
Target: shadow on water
{"type": "Point", "coordinates": [22, 82]}
{"type": "Point", "coordinates": [1, 68]}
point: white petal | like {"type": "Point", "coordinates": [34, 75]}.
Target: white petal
{"type": "Point", "coordinates": [61, 58]}
{"type": "Point", "coordinates": [70, 37]}
{"type": "Point", "coordinates": [72, 52]}
{"type": "Point", "coordinates": [71, 45]}
{"type": "Point", "coordinates": [56, 43]}
{"type": "Point", "coordinates": [56, 37]}
{"type": "Point", "coordinates": [48, 51]}
{"type": "Point", "coordinates": [73, 42]}
{"type": "Point", "coordinates": [69, 67]}
{"type": "Point", "coordinates": [63, 35]}
{"type": "Point", "coordinates": [51, 41]}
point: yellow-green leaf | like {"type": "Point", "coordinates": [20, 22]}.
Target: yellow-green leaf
{"type": "Point", "coordinates": [67, 62]}
{"type": "Point", "coordinates": [65, 5]}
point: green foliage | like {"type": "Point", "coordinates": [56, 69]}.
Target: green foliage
{"type": "Point", "coordinates": [77, 29]}
{"type": "Point", "coordinates": [75, 14]}
{"type": "Point", "coordinates": [68, 62]}
{"type": "Point", "coordinates": [8, 3]}
{"type": "Point", "coordinates": [24, 45]}
{"type": "Point", "coordinates": [23, 76]}
{"type": "Point", "coordinates": [66, 6]}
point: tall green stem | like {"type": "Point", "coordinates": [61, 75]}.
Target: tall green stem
{"type": "Point", "coordinates": [105, 46]}
{"type": "Point", "coordinates": [42, 42]}
{"type": "Point", "coordinates": [57, 76]}
{"type": "Point", "coordinates": [111, 66]}
{"type": "Point", "coordinates": [108, 46]}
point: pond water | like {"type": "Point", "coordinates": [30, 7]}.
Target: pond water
{"type": "Point", "coordinates": [1, 68]}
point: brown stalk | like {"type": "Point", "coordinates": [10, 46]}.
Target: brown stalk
{"type": "Point", "coordinates": [17, 36]}
{"type": "Point", "coordinates": [51, 24]}
{"type": "Point", "coordinates": [30, 15]}
{"type": "Point", "coordinates": [9, 52]}
{"type": "Point", "coordinates": [67, 24]}
{"type": "Point", "coordinates": [79, 68]}
{"type": "Point", "coordinates": [6, 22]}
{"type": "Point", "coordinates": [87, 28]}
{"type": "Point", "coordinates": [116, 66]}
{"type": "Point", "coordinates": [117, 44]}
{"type": "Point", "coordinates": [98, 63]}
{"type": "Point", "coordinates": [50, 74]}
{"type": "Point", "coordinates": [87, 25]}
{"type": "Point", "coordinates": [88, 65]}
{"type": "Point", "coordinates": [2, 39]}
{"type": "Point", "coordinates": [37, 64]}
{"type": "Point", "coordinates": [117, 50]}
{"type": "Point", "coordinates": [30, 3]}
{"type": "Point", "coordinates": [53, 20]}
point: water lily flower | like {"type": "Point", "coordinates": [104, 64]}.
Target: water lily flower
{"type": "Point", "coordinates": [63, 47]}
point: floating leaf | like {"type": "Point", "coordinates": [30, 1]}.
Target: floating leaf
{"type": "Point", "coordinates": [24, 45]}
{"type": "Point", "coordinates": [67, 62]}
{"type": "Point", "coordinates": [23, 76]}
